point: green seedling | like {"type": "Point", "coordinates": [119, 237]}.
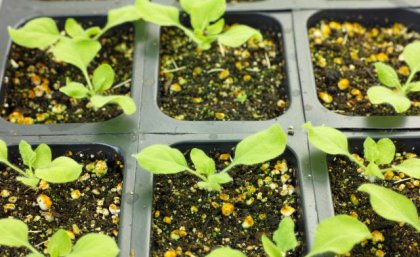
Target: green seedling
{"type": "Point", "coordinates": [79, 47]}
{"type": "Point", "coordinates": [334, 142]}
{"type": "Point", "coordinates": [40, 165]}
{"type": "Point", "coordinates": [257, 148]}
{"type": "Point", "coordinates": [206, 21]}
{"type": "Point", "coordinates": [392, 92]}
{"type": "Point", "coordinates": [14, 233]}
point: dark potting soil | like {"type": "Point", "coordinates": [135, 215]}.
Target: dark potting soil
{"type": "Point", "coordinates": [90, 204]}
{"type": "Point", "coordinates": [343, 57]}
{"type": "Point", "coordinates": [390, 238]}
{"type": "Point", "coordinates": [188, 221]}
{"type": "Point", "coordinates": [247, 83]}
{"type": "Point", "coordinates": [30, 90]}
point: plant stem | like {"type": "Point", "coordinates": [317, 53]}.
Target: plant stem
{"type": "Point", "coordinates": [20, 171]}
{"type": "Point", "coordinates": [33, 250]}
{"type": "Point", "coordinates": [357, 162]}
{"type": "Point", "coordinates": [230, 166]}
{"type": "Point", "coordinates": [85, 74]}
{"type": "Point", "coordinates": [195, 173]}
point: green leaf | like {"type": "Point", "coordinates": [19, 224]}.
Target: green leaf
{"type": "Point", "coordinates": [73, 28]}
{"type": "Point", "coordinates": [28, 155]}
{"type": "Point", "coordinates": [380, 95]}
{"type": "Point", "coordinates": [206, 11]}
{"type": "Point", "coordinates": [3, 151]}
{"type": "Point", "coordinates": [202, 162]}
{"type": "Point", "coordinates": [75, 89]}
{"type": "Point", "coordinates": [260, 147]}
{"type": "Point", "coordinates": [387, 75]}
{"type": "Point", "coordinates": [338, 234]}
{"type": "Point", "coordinates": [284, 236]}
{"type": "Point", "coordinates": [411, 56]}
{"type": "Point", "coordinates": [122, 15]}
{"type": "Point", "coordinates": [209, 186]}
{"type": "Point", "coordinates": [126, 103]}
{"type": "Point", "coordinates": [35, 255]}
{"type": "Point", "coordinates": [103, 78]}
{"type": "Point", "coordinates": [411, 167]}
{"type": "Point", "coordinates": [61, 170]}
{"type": "Point", "coordinates": [92, 31]}
{"type": "Point", "coordinates": [59, 244]}
{"type": "Point", "coordinates": [370, 149]}
{"type": "Point", "coordinates": [95, 245]}
{"type": "Point", "coordinates": [77, 52]}
{"type": "Point", "coordinates": [326, 139]}
{"type": "Point", "coordinates": [412, 87]}
{"type": "Point", "coordinates": [29, 181]}
{"type": "Point", "coordinates": [380, 153]}
{"type": "Point", "coordinates": [162, 159]}
{"type": "Point", "coordinates": [158, 14]}
{"type": "Point", "coordinates": [238, 35]}
{"type": "Point", "coordinates": [37, 33]}
{"type": "Point", "coordinates": [13, 233]}
{"type": "Point", "coordinates": [43, 156]}
{"type": "Point", "coordinates": [225, 252]}
{"type": "Point", "coordinates": [270, 248]}
{"type": "Point", "coordinates": [187, 5]}
{"type": "Point", "coordinates": [373, 170]}
{"type": "Point", "coordinates": [220, 178]}
{"type": "Point", "coordinates": [216, 28]}
{"type": "Point", "coordinates": [391, 205]}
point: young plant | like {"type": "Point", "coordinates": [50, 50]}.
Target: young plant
{"type": "Point", "coordinates": [79, 47]}
{"type": "Point", "coordinates": [14, 233]}
{"type": "Point", "coordinates": [257, 148]}
{"type": "Point", "coordinates": [392, 92]}
{"type": "Point", "coordinates": [334, 142]}
{"type": "Point", "coordinates": [40, 165]}
{"type": "Point", "coordinates": [206, 21]}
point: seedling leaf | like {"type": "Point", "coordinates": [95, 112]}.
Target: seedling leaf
{"type": "Point", "coordinates": [43, 156]}
{"type": "Point", "coordinates": [380, 95]}
{"type": "Point", "coordinates": [59, 244]}
{"type": "Point", "coordinates": [31, 182]}
{"type": "Point", "coordinates": [187, 5]}
{"type": "Point", "coordinates": [158, 14]}
{"type": "Point", "coordinates": [411, 167]}
{"type": "Point", "coordinates": [237, 35]}
{"type": "Point", "coordinates": [380, 153]}
{"type": "Point", "coordinates": [122, 15]}
{"type": "Point", "coordinates": [162, 159]}
{"type": "Point", "coordinates": [28, 155]}
{"type": "Point", "coordinates": [202, 162]}
{"type": "Point", "coordinates": [125, 102]}
{"type": "Point", "coordinates": [13, 233]}
{"type": "Point", "coordinates": [225, 252]}
{"type": "Point", "coordinates": [61, 170]}
{"type": "Point", "coordinates": [391, 205]}
{"type": "Point", "coordinates": [387, 75]}
{"type": "Point", "coordinates": [373, 170]}
{"type": "Point", "coordinates": [328, 140]}
{"type": "Point", "coordinates": [270, 248]}
{"type": "Point", "coordinates": [95, 245]}
{"type": "Point", "coordinates": [75, 89]}
{"type": "Point", "coordinates": [284, 236]}
{"type": "Point", "coordinates": [411, 56]}
{"type": "Point", "coordinates": [261, 147]}
{"type": "Point", "coordinates": [103, 78]}
{"type": "Point", "coordinates": [338, 234]}
{"type": "Point", "coordinates": [206, 11]}
{"type": "Point", "coordinates": [35, 255]}
{"type": "Point", "coordinates": [413, 87]}
{"type": "Point", "coordinates": [3, 151]}
{"type": "Point", "coordinates": [73, 28]}
{"type": "Point", "coordinates": [216, 28]}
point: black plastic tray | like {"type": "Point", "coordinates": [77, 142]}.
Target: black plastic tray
{"type": "Point", "coordinates": [155, 121]}
{"type": "Point", "coordinates": [297, 146]}
{"type": "Point", "coordinates": [124, 145]}
{"type": "Point", "coordinates": [314, 110]}
{"type": "Point", "coordinates": [16, 12]}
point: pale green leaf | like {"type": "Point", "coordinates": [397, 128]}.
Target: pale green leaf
{"type": "Point", "coordinates": [216, 28]}
{"type": "Point", "coordinates": [61, 170]}
{"type": "Point", "coordinates": [35, 255]}
{"type": "Point", "coordinates": [92, 31]}
{"type": "Point", "coordinates": [260, 147]}
{"type": "Point", "coordinates": [380, 95]}
{"type": "Point", "coordinates": [411, 56]}
{"type": "Point", "coordinates": [209, 186]}
{"type": "Point", "coordinates": [59, 244]}
{"type": "Point", "coordinates": [37, 33]}
{"type": "Point", "coordinates": [162, 159]}
{"type": "Point", "coordinates": [373, 170]}
{"type": "Point", "coordinates": [43, 156]}
{"type": "Point", "coordinates": [28, 155]}
{"type": "Point", "coordinates": [103, 78]}
{"type": "Point", "coordinates": [284, 236]}
{"type": "Point", "coordinates": [29, 181]}
{"type": "Point", "coordinates": [122, 15]}
{"type": "Point", "coordinates": [202, 162]}
{"type": "Point", "coordinates": [95, 245]}
{"type": "Point", "coordinates": [225, 252]}
{"type": "Point", "coordinates": [387, 75]}
{"type": "Point", "coordinates": [75, 89]}
{"type": "Point", "coordinates": [411, 167]}
{"type": "Point", "coordinates": [328, 140]}
{"type": "Point", "coordinates": [413, 87]}
{"type": "Point", "coordinates": [3, 151]}
{"type": "Point", "coordinates": [238, 35]}
{"type": "Point", "coordinates": [126, 103]}
{"type": "Point", "coordinates": [13, 233]}
{"type": "Point", "coordinates": [158, 14]}
{"type": "Point", "coordinates": [73, 28]}
{"type": "Point", "coordinates": [391, 205]}
{"type": "Point", "coordinates": [270, 248]}
{"type": "Point", "coordinates": [220, 178]}
{"type": "Point", "coordinates": [187, 5]}
{"type": "Point", "coordinates": [370, 150]}
{"type": "Point", "coordinates": [338, 234]}
{"type": "Point", "coordinates": [206, 11]}
{"type": "Point", "coordinates": [386, 148]}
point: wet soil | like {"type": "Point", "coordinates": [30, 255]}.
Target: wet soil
{"type": "Point", "coordinates": [343, 54]}
{"type": "Point", "coordinates": [190, 222]}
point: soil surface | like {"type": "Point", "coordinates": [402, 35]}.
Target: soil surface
{"type": "Point", "coordinates": [191, 222]}
{"type": "Point", "coordinates": [247, 83]}
{"type": "Point", "coordinates": [390, 238]}
{"type": "Point", "coordinates": [343, 57]}
{"type": "Point", "coordinates": [90, 204]}
{"type": "Point", "coordinates": [30, 90]}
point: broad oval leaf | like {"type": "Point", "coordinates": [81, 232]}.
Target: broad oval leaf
{"type": "Point", "coordinates": [412, 87]}
{"type": "Point", "coordinates": [73, 28]}
{"type": "Point", "coordinates": [75, 89]}
{"type": "Point", "coordinates": [202, 162]}
{"type": "Point", "coordinates": [29, 181]}
{"type": "Point", "coordinates": [270, 248]}
{"type": "Point", "coordinates": [387, 75]}
{"type": "Point", "coordinates": [43, 156]}
{"type": "Point", "coordinates": [386, 148]}
{"type": "Point", "coordinates": [126, 103]}
{"type": "Point", "coordinates": [380, 95]}
{"type": "Point", "coordinates": [284, 236]}
{"type": "Point", "coordinates": [260, 147]}
{"type": "Point", "coordinates": [205, 11]}
{"type": "Point", "coordinates": [411, 167]}
{"type": "Point", "coordinates": [411, 56]}
{"type": "Point", "coordinates": [158, 14]}
{"type": "Point", "coordinates": [122, 15]}
{"type": "Point", "coordinates": [13, 233]}
{"type": "Point", "coordinates": [326, 139]}
{"type": "Point", "coordinates": [59, 244]}
{"type": "Point", "coordinates": [3, 151]}
{"type": "Point", "coordinates": [103, 78]}
{"type": "Point", "coordinates": [391, 205]}
{"type": "Point", "coordinates": [37, 33]}
{"type": "Point", "coordinates": [95, 245]}
{"type": "Point", "coordinates": [370, 150]}
{"type": "Point", "coordinates": [237, 35]}
{"type": "Point", "coordinates": [27, 154]}
{"type": "Point", "coordinates": [338, 234]}
{"type": "Point", "coordinates": [162, 159]}
{"type": "Point", "coordinates": [225, 252]}
{"type": "Point", "coordinates": [216, 28]}
{"type": "Point", "coordinates": [61, 170]}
